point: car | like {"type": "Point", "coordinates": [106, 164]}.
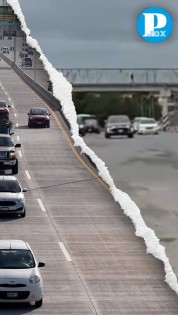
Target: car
{"type": "Point", "coordinates": [50, 87]}
{"type": "Point", "coordinates": [148, 126]}
{"type": "Point", "coordinates": [8, 159]}
{"type": "Point", "coordinates": [118, 125]}
{"type": "Point", "coordinates": [6, 126]}
{"type": "Point", "coordinates": [92, 125]}
{"type": "Point", "coordinates": [20, 277]}
{"type": "Point", "coordinates": [26, 62]}
{"type": "Point", "coordinates": [81, 124]}
{"type": "Point", "coordinates": [38, 117]}
{"type": "Point", "coordinates": [30, 51]}
{"type": "Point", "coordinates": [5, 50]}
{"type": "Point", "coordinates": [4, 109]}
{"type": "Point", "coordinates": [12, 199]}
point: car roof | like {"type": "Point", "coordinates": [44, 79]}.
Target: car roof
{"type": "Point", "coordinates": [13, 244]}
{"type": "Point", "coordinates": [7, 177]}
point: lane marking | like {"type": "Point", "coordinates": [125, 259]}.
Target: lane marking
{"type": "Point", "coordinates": [41, 205]}
{"type": "Point", "coordinates": [6, 93]}
{"type": "Point", "coordinates": [18, 138]}
{"type": "Point", "coordinates": [65, 252]}
{"type": "Point", "coordinates": [15, 114]}
{"type": "Point", "coordinates": [69, 141]}
{"type": "Point", "coordinates": [28, 174]}
{"type": "Point", "coordinates": [9, 99]}
{"type": "Point", "coordinates": [12, 106]}
{"type": "Point", "coordinates": [16, 124]}
{"type": "Point", "coordinates": [20, 154]}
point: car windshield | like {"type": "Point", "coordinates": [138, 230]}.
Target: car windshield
{"type": "Point", "coordinates": [16, 259]}
{"type": "Point", "coordinates": [9, 186]}
{"type": "Point", "coordinates": [38, 111]}
{"type": "Point", "coordinates": [147, 121]}
{"type": "Point", "coordinates": [116, 119]}
{"type": "Point", "coordinates": [2, 104]}
{"type": "Point", "coordinates": [6, 142]}
{"type": "Point", "coordinates": [90, 121]}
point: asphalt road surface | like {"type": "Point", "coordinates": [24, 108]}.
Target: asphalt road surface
{"type": "Point", "coordinates": [146, 168]}
{"type": "Point", "coordinates": [109, 271]}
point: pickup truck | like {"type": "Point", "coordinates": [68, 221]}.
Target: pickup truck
{"type": "Point", "coordinates": [8, 158]}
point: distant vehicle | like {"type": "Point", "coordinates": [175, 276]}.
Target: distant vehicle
{"type": "Point", "coordinates": [82, 129]}
{"type": "Point", "coordinates": [136, 122]}
{"type": "Point", "coordinates": [39, 117]}
{"type": "Point", "coordinates": [92, 125]}
{"type": "Point", "coordinates": [20, 277]}
{"type": "Point", "coordinates": [8, 158]}
{"type": "Point", "coordinates": [4, 109]}
{"type": "Point", "coordinates": [118, 125]}
{"type": "Point", "coordinates": [148, 126]}
{"type": "Point", "coordinates": [50, 87]}
{"type": "Point", "coordinates": [5, 50]}
{"type": "Point", "coordinates": [9, 37]}
{"type": "Point", "coordinates": [12, 199]}
{"type": "Point", "coordinates": [5, 126]}
{"type": "Point", "coordinates": [27, 62]}
{"type": "Point", "coordinates": [23, 54]}
{"type": "Point", "coordinates": [30, 51]}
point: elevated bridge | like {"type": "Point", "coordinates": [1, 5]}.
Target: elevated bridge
{"type": "Point", "coordinates": [122, 80]}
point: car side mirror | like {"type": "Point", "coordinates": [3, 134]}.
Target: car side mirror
{"type": "Point", "coordinates": [18, 145]}
{"type": "Point", "coordinates": [12, 133]}
{"type": "Point", "coordinates": [49, 114]}
{"type": "Point", "coordinates": [24, 190]}
{"type": "Point", "coordinates": [9, 105]}
{"type": "Point", "coordinates": [41, 264]}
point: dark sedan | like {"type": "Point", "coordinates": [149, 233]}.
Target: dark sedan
{"type": "Point", "coordinates": [39, 117]}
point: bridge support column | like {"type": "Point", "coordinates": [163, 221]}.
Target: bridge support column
{"type": "Point", "coordinates": [163, 100]}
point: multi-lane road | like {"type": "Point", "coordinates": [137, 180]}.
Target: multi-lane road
{"type": "Point", "coordinates": [94, 262]}
{"type": "Point", "coordinates": [146, 167]}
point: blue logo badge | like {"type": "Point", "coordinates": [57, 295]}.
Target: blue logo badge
{"type": "Point", "coordinates": [154, 25]}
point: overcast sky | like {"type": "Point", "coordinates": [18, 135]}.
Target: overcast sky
{"type": "Point", "coordinates": [98, 33]}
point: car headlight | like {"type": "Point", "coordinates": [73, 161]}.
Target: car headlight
{"type": "Point", "coordinates": [31, 117]}
{"type": "Point", "coordinates": [81, 126]}
{"type": "Point", "coordinates": [20, 199]}
{"type": "Point", "coordinates": [11, 155]}
{"type": "Point", "coordinates": [34, 279]}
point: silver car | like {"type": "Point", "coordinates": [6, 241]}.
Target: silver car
{"type": "Point", "coordinates": [20, 278]}
{"type": "Point", "coordinates": [12, 200]}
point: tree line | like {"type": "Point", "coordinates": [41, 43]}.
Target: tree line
{"type": "Point", "coordinates": [108, 103]}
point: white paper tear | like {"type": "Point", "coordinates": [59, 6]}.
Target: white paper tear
{"type": "Point", "coordinates": [62, 90]}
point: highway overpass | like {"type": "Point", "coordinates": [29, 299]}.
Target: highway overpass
{"type": "Point", "coordinates": [109, 271]}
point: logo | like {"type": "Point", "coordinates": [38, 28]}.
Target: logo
{"type": "Point", "coordinates": [154, 25]}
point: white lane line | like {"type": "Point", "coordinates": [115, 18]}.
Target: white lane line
{"type": "Point", "coordinates": [9, 99]}
{"type": "Point", "coordinates": [20, 154]}
{"type": "Point", "coordinates": [18, 138]}
{"type": "Point", "coordinates": [6, 93]}
{"type": "Point", "coordinates": [15, 114]}
{"type": "Point", "coordinates": [12, 106]}
{"type": "Point", "coordinates": [65, 252]}
{"type": "Point", "coordinates": [28, 174]}
{"type": "Point", "coordinates": [41, 205]}
{"type": "Point", "coordinates": [16, 124]}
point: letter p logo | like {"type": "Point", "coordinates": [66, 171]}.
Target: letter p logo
{"type": "Point", "coordinates": [154, 24]}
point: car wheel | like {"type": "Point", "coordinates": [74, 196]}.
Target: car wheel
{"type": "Point", "coordinates": [48, 126]}
{"type": "Point", "coordinates": [107, 135]}
{"type": "Point", "coordinates": [131, 135]}
{"type": "Point", "coordinates": [15, 168]}
{"type": "Point", "coordinates": [29, 125]}
{"type": "Point", "coordinates": [39, 303]}
{"type": "Point", "coordinates": [23, 214]}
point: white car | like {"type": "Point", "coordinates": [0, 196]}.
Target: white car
{"type": "Point", "coordinates": [12, 200]}
{"type": "Point", "coordinates": [148, 126]}
{"type": "Point", "coordinates": [136, 122]}
{"type": "Point", "coordinates": [20, 278]}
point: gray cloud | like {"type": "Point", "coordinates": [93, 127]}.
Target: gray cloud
{"type": "Point", "coordinates": [98, 33]}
